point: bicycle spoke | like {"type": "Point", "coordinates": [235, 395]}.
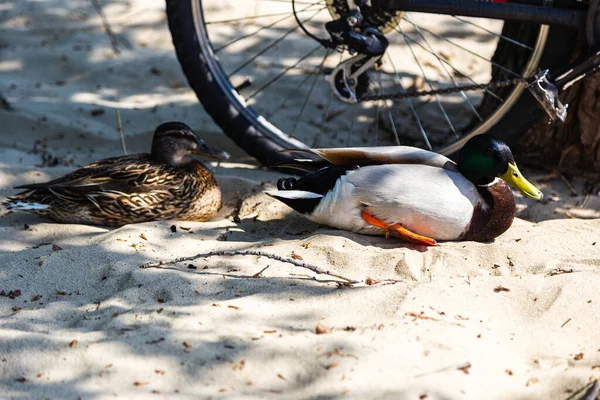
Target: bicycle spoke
{"type": "Point", "coordinates": [378, 108]}
{"type": "Point", "coordinates": [354, 109]}
{"type": "Point", "coordinates": [410, 105]}
{"type": "Point", "coordinates": [273, 44]}
{"type": "Point", "coordinates": [437, 98]}
{"type": "Point", "coordinates": [326, 114]}
{"type": "Point", "coordinates": [464, 96]}
{"type": "Point", "coordinates": [285, 71]}
{"type": "Point", "coordinates": [251, 17]}
{"type": "Point", "coordinates": [394, 126]}
{"type": "Point", "coordinates": [494, 95]}
{"type": "Point", "coordinates": [466, 21]}
{"type": "Point", "coordinates": [291, 14]}
{"type": "Point", "coordinates": [284, 102]}
{"type": "Point", "coordinates": [312, 86]}
{"type": "Point", "coordinates": [465, 49]}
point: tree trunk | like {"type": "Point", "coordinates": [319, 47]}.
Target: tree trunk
{"type": "Point", "coordinates": [574, 144]}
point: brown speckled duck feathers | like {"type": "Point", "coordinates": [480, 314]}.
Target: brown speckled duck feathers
{"type": "Point", "coordinates": [168, 183]}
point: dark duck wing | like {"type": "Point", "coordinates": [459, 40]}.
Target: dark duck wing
{"type": "Point", "coordinates": [326, 166]}
{"type": "Point", "coordinates": [166, 184]}
{"type": "Point", "coordinates": [44, 193]}
{"type": "Point", "coordinates": [362, 156]}
{"type": "Point", "coordinates": [102, 175]}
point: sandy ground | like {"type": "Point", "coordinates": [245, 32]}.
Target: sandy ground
{"type": "Point", "coordinates": [516, 318]}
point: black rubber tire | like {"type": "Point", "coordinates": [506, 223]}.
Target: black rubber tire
{"type": "Point", "coordinates": [242, 131]}
{"type": "Point", "coordinates": [199, 77]}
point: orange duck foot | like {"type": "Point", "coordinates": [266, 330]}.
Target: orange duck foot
{"type": "Point", "coordinates": [397, 230]}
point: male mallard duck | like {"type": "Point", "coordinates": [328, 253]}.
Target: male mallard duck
{"type": "Point", "coordinates": [414, 194]}
{"type": "Point", "coordinates": [168, 183]}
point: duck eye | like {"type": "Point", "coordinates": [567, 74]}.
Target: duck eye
{"type": "Point", "coordinates": [515, 175]}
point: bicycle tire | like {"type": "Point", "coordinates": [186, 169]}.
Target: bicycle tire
{"type": "Point", "coordinates": [241, 125]}
{"type": "Point", "coordinates": [194, 64]}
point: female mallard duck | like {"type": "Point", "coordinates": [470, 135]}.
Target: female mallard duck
{"type": "Point", "coordinates": [168, 183]}
{"type": "Point", "coordinates": [417, 195]}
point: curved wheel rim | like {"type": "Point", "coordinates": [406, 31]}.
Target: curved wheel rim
{"type": "Point", "coordinates": [510, 100]}
{"type": "Point", "coordinates": [284, 140]}
{"type": "Point", "coordinates": [234, 98]}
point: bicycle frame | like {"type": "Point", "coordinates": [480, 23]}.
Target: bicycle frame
{"type": "Point", "coordinates": [514, 11]}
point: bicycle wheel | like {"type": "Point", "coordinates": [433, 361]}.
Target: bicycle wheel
{"type": "Point", "coordinates": [264, 81]}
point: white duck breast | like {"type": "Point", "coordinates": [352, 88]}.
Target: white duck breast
{"type": "Point", "coordinates": [430, 201]}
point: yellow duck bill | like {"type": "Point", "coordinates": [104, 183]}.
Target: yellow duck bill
{"type": "Point", "coordinates": [514, 178]}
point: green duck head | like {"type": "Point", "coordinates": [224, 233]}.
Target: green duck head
{"type": "Point", "coordinates": [483, 158]}
{"type": "Point", "coordinates": [176, 145]}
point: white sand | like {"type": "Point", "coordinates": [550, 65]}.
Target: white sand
{"type": "Point", "coordinates": [215, 330]}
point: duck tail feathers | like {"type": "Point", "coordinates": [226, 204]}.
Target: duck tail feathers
{"type": "Point", "coordinates": [32, 186]}
{"type": "Point", "coordinates": [24, 205]}
{"type": "Point", "coordinates": [300, 200]}
{"type": "Point", "coordinates": [294, 194]}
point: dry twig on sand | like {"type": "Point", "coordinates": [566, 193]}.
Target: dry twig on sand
{"type": "Point", "coordinates": [563, 178]}
{"type": "Point", "coordinates": [593, 393]}
{"type": "Point", "coordinates": [560, 271]}
{"type": "Point", "coordinates": [314, 268]}
{"type": "Point", "coordinates": [120, 127]}
{"type": "Point", "coordinates": [590, 391]}
{"type": "Point", "coordinates": [464, 367]}
{"type": "Point", "coordinates": [106, 25]}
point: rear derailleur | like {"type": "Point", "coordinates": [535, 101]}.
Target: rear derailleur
{"type": "Point", "coordinates": [349, 79]}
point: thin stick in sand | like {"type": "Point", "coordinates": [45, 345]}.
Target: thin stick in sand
{"type": "Point", "coordinates": [590, 392]}
{"type": "Point", "coordinates": [120, 126]}
{"type": "Point", "coordinates": [593, 393]}
{"type": "Point", "coordinates": [314, 268]}
{"type": "Point", "coordinates": [464, 367]}
{"type": "Point", "coordinates": [106, 25]}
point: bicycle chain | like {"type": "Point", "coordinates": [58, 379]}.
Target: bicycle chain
{"type": "Point", "coordinates": [450, 90]}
